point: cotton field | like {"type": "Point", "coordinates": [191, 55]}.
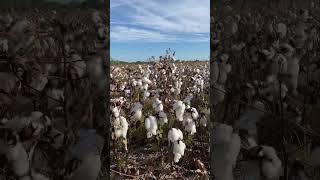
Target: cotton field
{"type": "Point", "coordinates": [51, 85]}
{"type": "Point", "coordinates": [265, 62]}
{"type": "Point", "coordinates": [159, 117]}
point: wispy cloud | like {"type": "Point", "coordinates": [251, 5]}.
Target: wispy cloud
{"type": "Point", "coordinates": [125, 34]}
{"type": "Point", "coordinates": [160, 20]}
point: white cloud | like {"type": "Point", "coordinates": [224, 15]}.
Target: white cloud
{"type": "Point", "coordinates": [124, 34]}
{"type": "Point", "coordinates": [165, 18]}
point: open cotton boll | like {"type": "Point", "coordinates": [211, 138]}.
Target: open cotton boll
{"type": "Point", "coordinates": [146, 94]}
{"type": "Point", "coordinates": [116, 112]}
{"type": "Point", "coordinates": [293, 72]}
{"type": "Point", "coordinates": [89, 168]}
{"type": "Point", "coordinates": [18, 158]}
{"type": "Point", "coordinates": [178, 150]}
{"type": "Point", "coordinates": [190, 127]}
{"type": "Point", "coordinates": [179, 108]}
{"type": "Point", "coordinates": [88, 150]}
{"type": "Point", "coordinates": [194, 113]}
{"type": "Point", "coordinates": [136, 111]}
{"type": "Point", "coordinates": [146, 80]}
{"type": "Point", "coordinates": [281, 30]}
{"type": "Point", "coordinates": [151, 126]}
{"type": "Point", "coordinates": [163, 119]}
{"type": "Point", "coordinates": [270, 53]}
{"type": "Point", "coordinates": [225, 152]}
{"type": "Point", "coordinates": [315, 157]}
{"type": "Point", "coordinates": [39, 121]}
{"type": "Point", "coordinates": [121, 127]}
{"type": "Point", "coordinates": [174, 135]}
{"type": "Point", "coordinates": [224, 70]}
{"type": "Point", "coordinates": [271, 164]}
{"type": "Point", "coordinates": [157, 105]}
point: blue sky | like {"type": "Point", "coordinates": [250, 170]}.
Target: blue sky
{"type": "Point", "coordinates": [144, 28]}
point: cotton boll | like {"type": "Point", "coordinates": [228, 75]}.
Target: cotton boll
{"type": "Point", "coordinates": [179, 108]}
{"type": "Point", "coordinates": [136, 111]}
{"type": "Point", "coordinates": [116, 112]}
{"type": "Point", "coordinates": [190, 126]}
{"type": "Point", "coordinates": [163, 119]}
{"type": "Point", "coordinates": [282, 30]}
{"type": "Point", "coordinates": [226, 149]}
{"type": "Point", "coordinates": [151, 126]}
{"type": "Point", "coordinates": [88, 150]}
{"type": "Point", "coordinates": [89, 168]}
{"type": "Point", "coordinates": [134, 83]}
{"type": "Point", "coordinates": [18, 158]}
{"type": "Point", "coordinates": [271, 164]}
{"type": "Point", "coordinates": [146, 94]}
{"type": "Point", "coordinates": [269, 53]}
{"type": "Point", "coordinates": [293, 73]}
{"type": "Point", "coordinates": [121, 127]}
{"type": "Point", "coordinates": [157, 105]}
{"type": "Point", "coordinates": [194, 113]}
{"type": "Point", "coordinates": [174, 135]}
{"type": "Point", "coordinates": [178, 150]}
{"type": "Point", "coordinates": [146, 80]}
